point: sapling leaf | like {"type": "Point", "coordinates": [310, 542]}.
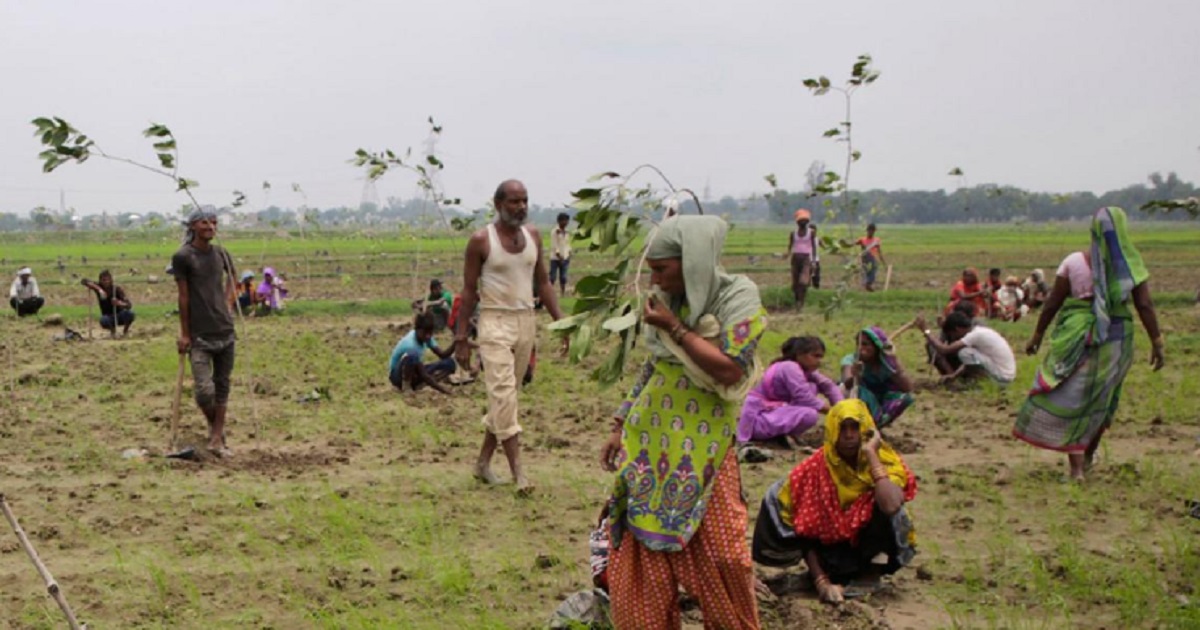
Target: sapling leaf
{"type": "Point", "coordinates": [617, 324]}
{"type": "Point", "coordinates": [581, 342]}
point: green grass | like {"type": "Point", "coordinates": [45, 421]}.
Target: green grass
{"type": "Point", "coordinates": [359, 512]}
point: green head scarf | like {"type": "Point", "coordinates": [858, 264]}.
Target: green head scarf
{"type": "Point", "coordinates": [1117, 267]}
{"type": "Point", "coordinates": [698, 241]}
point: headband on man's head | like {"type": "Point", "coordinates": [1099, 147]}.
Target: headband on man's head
{"type": "Point", "coordinates": [197, 214]}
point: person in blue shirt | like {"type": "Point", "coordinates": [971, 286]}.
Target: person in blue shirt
{"type": "Point", "coordinates": [406, 367]}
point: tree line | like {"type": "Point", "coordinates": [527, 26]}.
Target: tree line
{"type": "Point", "coordinates": [983, 203]}
{"type": "Point", "coordinates": [991, 203]}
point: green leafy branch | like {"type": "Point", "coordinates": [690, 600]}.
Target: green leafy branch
{"type": "Point", "coordinates": [65, 143]}
{"type": "Point", "coordinates": [611, 215]}
{"type": "Point", "coordinates": [426, 168]}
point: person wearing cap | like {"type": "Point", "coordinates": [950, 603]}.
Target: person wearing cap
{"type": "Point", "coordinates": [23, 295]}
{"type": "Point", "coordinates": [205, 277]}
{"type": "Point", "coordinates": [247, 298]}
{"type": "Point", "coordinates": [271, 291]}
{"type": "Point", "coordinates": [802, 252]}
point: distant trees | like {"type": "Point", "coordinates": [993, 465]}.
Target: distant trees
{"type": "Point", "coordinates": [992, 203]}
{"type": "Point", "coordinates": [984, 203]}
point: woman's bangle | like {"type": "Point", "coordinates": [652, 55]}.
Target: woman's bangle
{"type": "Point", "coordinates": [1158, 341]}
{"type": "Point", "coordinates": [678, 332]}
{"type": "Point", "coordinates": [878, 473]}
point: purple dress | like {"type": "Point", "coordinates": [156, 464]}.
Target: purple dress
{"type": "Point", "coordinates": [785, 402]}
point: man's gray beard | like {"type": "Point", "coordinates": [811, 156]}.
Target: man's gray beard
{"type": "Point", "coordinates": [507, 219]}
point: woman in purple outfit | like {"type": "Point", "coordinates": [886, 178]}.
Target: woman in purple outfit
{"type": "Point", "coordinates": [788, 399]}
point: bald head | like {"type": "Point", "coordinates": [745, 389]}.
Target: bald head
{"type": "Point", "coordinates": [506, 188]}
{"type": "Point", "coordinates": [512, 203]}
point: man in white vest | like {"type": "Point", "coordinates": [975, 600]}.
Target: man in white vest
{"type": "Point", "coordinates": [503, 265]}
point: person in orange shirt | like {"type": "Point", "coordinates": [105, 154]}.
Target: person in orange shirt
{"type": "Point", "coordinates": [872, 256]}
{"type": "Point", "coordinates": [970, 290]}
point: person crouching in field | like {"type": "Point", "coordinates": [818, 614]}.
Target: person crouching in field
{"type": "Point", "coordinates": [405, 369]}
{"type": "Point", "coordinates": [205, 277]}
{"type": "Point", "coordinates": [787, 401]}
{"type": "Point", "coordinates": [272, 292]}
{"type": "Point", "coordinates": [972, 351]}
{"type": "Point", "coordinates": [874, 375]}
{"type": "Point", "coordinates": [247, 296]}
{"type": "Point", "coordinates": [1035, 288]}
{"type": "Point", "coordinates": [24, 295]}
{"type": "Point", "coordinates": [840, 509]}
{"type": "Point", "coordinates": [969, 289]}
{"type": "Point", "coordinates": [115, 307]}
{"type": "Point", "coordinates": [1010, 300]}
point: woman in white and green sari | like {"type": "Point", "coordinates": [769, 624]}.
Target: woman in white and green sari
{"type": "Point", "coordinates": [1078, 385]}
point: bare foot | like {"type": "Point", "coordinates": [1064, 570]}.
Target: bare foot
{"type": "Point", "coordinates": [484, 473]}
{"type": "Point", "coordinates": [525, 487]}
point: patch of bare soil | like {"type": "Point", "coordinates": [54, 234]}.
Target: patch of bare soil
{"type": "Point", "coordinates": [269, 462]}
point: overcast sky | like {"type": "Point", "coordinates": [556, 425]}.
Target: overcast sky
{"type": "Point", "coordinates": [1046, 95]}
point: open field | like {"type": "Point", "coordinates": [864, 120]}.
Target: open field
{"type": "Point", "coordinates": [360, 512]}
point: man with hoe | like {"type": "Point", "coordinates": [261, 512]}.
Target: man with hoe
{"type": "Point", "coordinates": [205, 277]}
{"type": "Point", "coordinates": [503, 264]}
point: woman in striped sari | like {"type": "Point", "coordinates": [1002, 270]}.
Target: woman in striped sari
{"type": "Point", "coordinates": [1078, 385]}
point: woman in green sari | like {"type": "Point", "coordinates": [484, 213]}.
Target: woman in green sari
{"type": "Point", "coordinates": [1078, 385]}
{"type": "Point", "coordinates": [677, 514]}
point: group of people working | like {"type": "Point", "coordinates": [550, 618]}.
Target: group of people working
{"type": "Point", "coordinates": [116, 309]}
{"type": "Point", "coordinates": [675, 518]}
{"type": "Point", "coordinates": [440, 309]}
{"type": "Point", "coordinates": [1008, 300]}
{"type": "Point", "coordinates": [268, 297]}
